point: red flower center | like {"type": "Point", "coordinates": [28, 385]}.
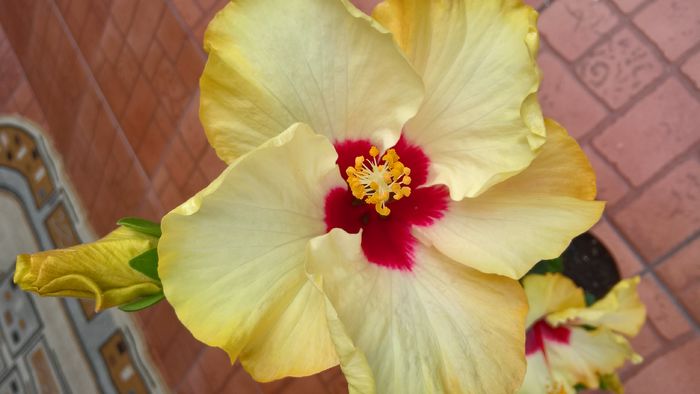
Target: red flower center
{"type": "Point", "coordinates": [540, 332]}
{"type": "Point", "coordinates": [386, 238]}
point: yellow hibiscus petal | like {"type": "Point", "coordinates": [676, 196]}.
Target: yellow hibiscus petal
{"type": "Point", "coordinates": [99, 270]}
{"type": "Point", "coordinates": [324, 63]}
{"type": "Point", "coordinates": [296, 343]}
{"type": "Point", "coordinates": [480, 122]}
{"type": "Point", "coordinates": [232, 258]}
{"type": "Point", "coordinates": [530, 217]}
{"type": "Point", "coordinates": [550, 293]}
{"type": "Point", "coordinates": [442, 327]}
{"type": "Point", "coordinates": [560, 169]}
{"type": "Point", "coordinates": [352, 360]}
{"type": "Point", "coordinates": [588, 355]}
{"type": "Point", "coordinates": [620, 310]}
{"type": "Point", "coordinates": [539, 379]}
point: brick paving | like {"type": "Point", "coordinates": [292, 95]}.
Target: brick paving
{"type": "Point", "coordinates": [114, 83]}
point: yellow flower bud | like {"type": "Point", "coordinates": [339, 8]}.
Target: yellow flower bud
{"type": "Point", "coordinates": [99, 270]}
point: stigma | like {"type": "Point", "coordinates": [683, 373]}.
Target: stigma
{"type": "Point", "coordinates": [378, 182]}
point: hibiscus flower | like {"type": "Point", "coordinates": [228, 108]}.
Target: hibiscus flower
{"type": "Point", "coordinates": [388, 182]}
{"type": "Point", "coordinates": [569, 343]}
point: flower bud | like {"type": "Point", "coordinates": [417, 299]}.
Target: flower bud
{"type": "Point", "coordinates": [99, 270]}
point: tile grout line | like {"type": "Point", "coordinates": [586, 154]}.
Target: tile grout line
{"type": "Point", "coordinates": [667, 346]}
{"type": "Point", "coordinates": [637, 191]}
{"type": "Point", "coordinates": [673, 68]}
{"type": "Point", "coordinates": [168, 7]}
{"type": "Point", "coordinates": [186, 27]}
{"type": "Point", "coordinates": [679, 305]}
{"type": "Point", "coordinates": [610, 216]}
{"type": "Point", "coordinates": [141, 73]}
{"type": "Point", "coordinates": [183, 379]}
{"type": "Point", "coordinates": [681, 245]}
{"type": "Point", "coordinates": [46, 128]}
{"type": "Point", "coordinates": [650, 268]}
{"type": "Point", "coordinates": [92, 81]}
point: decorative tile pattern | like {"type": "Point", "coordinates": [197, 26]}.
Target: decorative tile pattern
{"type": "Point", "coordinates": [34, 330]}
{"type": "Point", "coordinates": [19, 152]}
{"type": "Point", "coordinates": [122, 369]}
{"type": "Point", "coordinates": [20, 320]}
{"type": "Point", "coordinates": [60, 228]}
{"type": "Point", "coordinates": [619, 68]}
{"type": "Point", "coordinates": [43, 368]}
{"type": "Point", "coordinates": [12, 384]}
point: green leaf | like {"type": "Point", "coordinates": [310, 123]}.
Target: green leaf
{"type": "Point", "coordinates": [580, 387]}
{"type": "Point", "coordinates": [146, 263]}
{"type": "Point", "coordinates": [590, 299]}
{"type": "Point", "coordinates": [611, 382]}
{"type": "Point", "coordinates": [141, 225]}
{"type": "Point", "coordinates": [545, 266]}
{"type": "Point", "coordinates": [142, 303]}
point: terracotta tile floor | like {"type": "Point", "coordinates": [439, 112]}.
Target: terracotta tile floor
{"type": "Point", "coordinates": [114, 83]}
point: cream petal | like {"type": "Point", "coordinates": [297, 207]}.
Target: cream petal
{"type": "Point", "coordinates": [550, 293]}
{"type": "Point", "coordinates": [232, 257]}
{"type": "Point", "coordinates": [480, 122]}
{"type": "Point", "coordinates": [325, 63]}
{"type": "Point", "coordinates": [353, 361]}
{"type": "Point", "coordinates": [588, 355]}
{"type": "Point", "coordinates": [620, 310]}
{"type": "Point", "coordinates": [442, 327]}
{"type": "Point", "coordinates": [539, 379]}
{"type": "Point", "coordinates": [530, 217]}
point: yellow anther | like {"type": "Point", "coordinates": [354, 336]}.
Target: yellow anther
{"type": "Point", "coordinates": [358, 161]}
{"type": "Point", "coordinates": [399, 192]}
{"type": "Point", "coordinates": [378, 183]}
{"type": "Point", "coordinates": [382, 209]}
